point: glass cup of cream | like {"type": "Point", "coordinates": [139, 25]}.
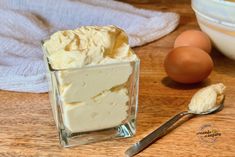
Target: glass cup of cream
{"type": "Point", "coordinates": [93, 77]}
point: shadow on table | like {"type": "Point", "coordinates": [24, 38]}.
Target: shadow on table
{"type": "Point", "coordinates": [172, 84]}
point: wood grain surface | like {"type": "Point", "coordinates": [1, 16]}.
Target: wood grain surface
{"type": "Point", "coordinates": [27, 127]}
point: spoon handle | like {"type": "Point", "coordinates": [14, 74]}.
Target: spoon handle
{"type": "Point", "coordinates": [156, 134]}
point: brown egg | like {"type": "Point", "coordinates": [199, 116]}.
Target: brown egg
{"type": "Point", "coordinates": [188, 64]}
{"type": "Point", "coordinates": [194, 38]}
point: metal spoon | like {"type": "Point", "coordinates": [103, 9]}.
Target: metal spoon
{"type": "Point", "coordinates": [165, 128]}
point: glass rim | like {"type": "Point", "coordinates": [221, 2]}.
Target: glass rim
{"type": "Point", "coordinates": [224, 4]}
{"type": "Point", "coordinates": [214, 20]}
{"type": "Point", "coordinates": [86, 66]}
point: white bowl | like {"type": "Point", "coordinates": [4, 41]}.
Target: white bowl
{"type": "Point", "coordinates": [217, 19]}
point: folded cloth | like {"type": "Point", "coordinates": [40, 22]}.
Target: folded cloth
{"type": "Point", "coordinates": [25, 23]}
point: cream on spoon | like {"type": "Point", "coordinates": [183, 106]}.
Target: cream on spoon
{"type": "Point", "coordinates": [205, 101]}
{"type": "Point", "coordinates": [206, 98]}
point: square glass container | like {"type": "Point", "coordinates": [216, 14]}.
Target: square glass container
{"type": "Point", "coordinates": [94, 103]}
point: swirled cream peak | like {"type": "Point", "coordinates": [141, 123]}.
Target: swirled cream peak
{"type": "Point", "coordinates": [206, 98]}
{"type": "Point", "coordinates": [89, 45]}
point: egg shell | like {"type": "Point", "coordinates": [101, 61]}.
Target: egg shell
{"type": "Point", "coordinates": [194, 38]}
{"type": "Point", "coordinates": [188, 64]}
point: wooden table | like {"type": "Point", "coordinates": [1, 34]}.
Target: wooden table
{"type": "Point", "coordinates": [27, 127]}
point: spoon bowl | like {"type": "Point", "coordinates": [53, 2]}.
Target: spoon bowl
{"type": "Point", "coordinates": [215, 109]}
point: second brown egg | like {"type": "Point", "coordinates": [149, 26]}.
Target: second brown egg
{"type": "Point", "coordinates": [194, 38]}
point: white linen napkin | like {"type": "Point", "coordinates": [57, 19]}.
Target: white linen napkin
{"type": "Point", "coordinates": [24, 23]}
